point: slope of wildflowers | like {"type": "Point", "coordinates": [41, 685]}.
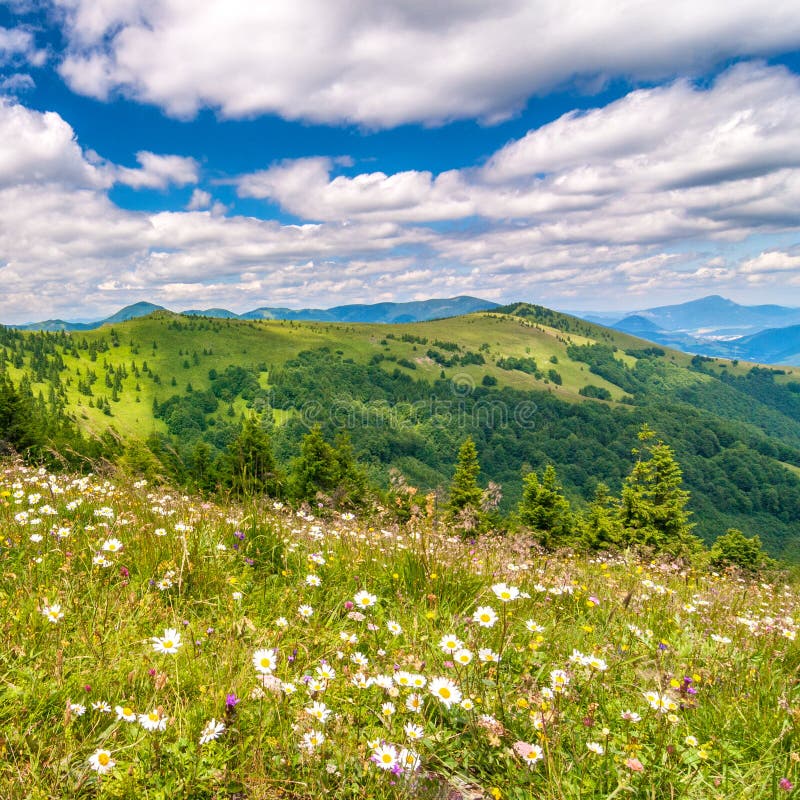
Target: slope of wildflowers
{"type": "Point", "coordinates": [155, 645]}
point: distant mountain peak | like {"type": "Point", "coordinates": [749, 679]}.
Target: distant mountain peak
{"type": "Point", "coordinates": [636, 323]}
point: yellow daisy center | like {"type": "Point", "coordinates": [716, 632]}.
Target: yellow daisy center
{"type": "Point", "coordinates": [103, 759]}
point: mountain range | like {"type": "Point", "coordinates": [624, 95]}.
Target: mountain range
{"type": "Point", "coordinates": [710, 326]}
{"type": "Point", "coordinates": [414, 311]}
{"type": "Point", "coordinates": [718, 327]}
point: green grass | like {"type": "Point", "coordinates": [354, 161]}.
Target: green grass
{"type": "Point", "coordinates": [791, 467]}
{"type": "Point", "coordinates": [721, 648]}
{"type": "Point", "coordinates": [271, 343]}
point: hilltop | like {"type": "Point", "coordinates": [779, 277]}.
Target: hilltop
{"type": "Point", "coordinates": [530, 385]}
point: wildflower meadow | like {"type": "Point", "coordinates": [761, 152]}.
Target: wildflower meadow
{"type": "Point", "coordinates": [155, 645]}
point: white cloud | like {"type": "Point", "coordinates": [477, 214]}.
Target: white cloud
{"type": "Point", "coordinates": [158, 171]}
{"type": "Point", "coordinates": [304, 188]}
{"type": "Point", "coordinates": [41, 148]}
{"type": "Point", "coordinates": [383, 64]}
{"type": "Point", "coordinates": [656, 166]}
{"type": "Point", "coordinates": [666, 182]}
{"type": "Point", "coordinates": [674, 136]}
{"type": "Point", "coordinates": [18, 44]}
{"type": "Point", "coordinates": [199, 200]}
{"type": "Point", "coordinates": [16, 83]}
{"type": "Point", "coordinates": [768, 263]}
{"type": "Point", "coordinates": [65, 246]}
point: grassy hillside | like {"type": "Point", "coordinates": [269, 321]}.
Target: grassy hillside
{"type": "Point", "coordinates": [159, 645]}
{"type": "Point", "coordinates": [186, 349]}
{"type": "Point", "coordinates": [531, 386]}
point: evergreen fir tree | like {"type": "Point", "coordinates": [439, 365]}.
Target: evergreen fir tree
{"type": "Point", "coordinates": [251, 462]}
{"type": "Point", "coordinates": [17, 427]}
{"type": "Point", "coordinates": [202, 468]}
{"type": "Point", "coordinates": [352, 480]}
{"type": "Point", "coordinates": [316, 469]}
{"type": "Point", "coordinates": [652, 506]}
{"type": "Point", "coordinates": [545, 509]}
{"type": "Point", "coordinates": [466, 496]}
{"type": "Point", "coordinates": [600, 529]}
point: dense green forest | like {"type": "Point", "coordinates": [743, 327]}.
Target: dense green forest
{"type": "Point", "coordinates": [392, 405]}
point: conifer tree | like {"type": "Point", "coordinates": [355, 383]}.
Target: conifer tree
{"type": "Point", "coordinates": [652, 506]}
{"type": "Point", "coordinates": [16, 418]}
{"type": "Point", "coordinates": [316, 469]}
{"type": "Point", "coordinates": [202, 466]}
{"type": "Point", "coordinates": [466, 495]}
{"type": "Point", "coordinates": [600, 529]}
{"type": "Point", "coordinates": [544, 508]}
{"type": "Point", "coordinates": [351, 479]}
{"type": "Point", "coordinates": [251, 464]}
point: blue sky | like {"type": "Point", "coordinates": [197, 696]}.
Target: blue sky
{"type": "Point", "coordinates": [584, 155]}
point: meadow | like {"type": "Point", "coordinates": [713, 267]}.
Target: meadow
{"type": "Point", "coordinates": [166, 396]}
{"type": "Point", "coordinates": [158, 645]}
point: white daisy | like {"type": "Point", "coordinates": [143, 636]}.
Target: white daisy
{"type": "Point", "coordinates": [312, 740]}
{"type": "Point", "coordinates": [445, 691]}
{"type": "Point", "coordinates": [364, 599]}
{"type": "Point", "coordinates": [504, 592]}
{"type": "Point", "coordinates": [125, 713]}
{"type": "Point", "coordinates": [101, 761]}
{"type": "Point", "coordinates": [153, 721]}
{"type": "Point", "coordinates": [53, 612]}
{"type": "Point", "coordinates": [449, 643]}
{"type": "Point", "coordinates": [265, 660]}
{"type": "Point", "coordinates": [168, 643]}
{"type": "Point", "coordinates": [385, 756]}
{"type": "Point", "coordinates": [485, 616]}
{"type": "Point", "coordinates": [413, 731]}
{"type": "Point", "coordinates": [319, 711]}
{"type": "Point", "coordinates": [414, 703]}
{"type": "Point", "coordinates": [487, 655]}
{"type": "Point", "coordinates": [212, 730]}
{"type": "Point", "coordinates": [408, 760]}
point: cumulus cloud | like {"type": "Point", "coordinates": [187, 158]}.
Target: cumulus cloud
{"type": "Point", "coordinates": [41, 148]}
{"type": "Point", "coordinates": [656, 166]}
{"type": "Point", "coordinates": [770, 264]}
{"type": "Point", "coordinates": [199, 200]}
{"type": "Point", "coordinates": [303, 187]}
{"type": "Point", "coordinates": [65, 245]}
{"type": "Point", "coordinates": [383, 64]}
{"type": "Point", "coordinates": [663, 181]}
{"type": "Point", "coordinates": [18, 45]}
{"type": "Point", "coordinates": [158, 171]}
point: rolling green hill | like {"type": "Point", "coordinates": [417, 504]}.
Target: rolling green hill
{"type": "Point", "coordinates": [530, 385]}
